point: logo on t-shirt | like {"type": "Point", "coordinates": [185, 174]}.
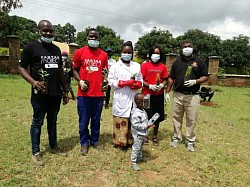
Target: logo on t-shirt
{"type": "Point", "coordinates": [50, 61]}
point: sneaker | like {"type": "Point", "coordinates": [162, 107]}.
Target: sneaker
{"type": "Point", "coordinates": [143, 159]}
{"type": "Point", "coordinates": [37, 159]}
{"type": "Point", "coordinates": [58, 151]}
{"type": "Point", "coordinates": [190, 146]}
{"type": "Point", "coordinates": [97, 146]}
{"type": "Point", "coordinates": [174, 143]}
{"type": "Point", "coordinates": [135, 167]}
{"type": "Point", "coordinates": [84, 150]}
{"type": "Point", "coordinates": [155, 142]}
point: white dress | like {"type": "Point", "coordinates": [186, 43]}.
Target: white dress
{"type": "Point", "coordinates": [123, 99]}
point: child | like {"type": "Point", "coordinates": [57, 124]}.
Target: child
{"type": "Point", "coordinates": [140, 125]}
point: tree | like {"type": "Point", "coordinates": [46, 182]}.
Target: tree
{"type": "Point", "coordinates": [69, 33]}
{"type": "Point", "coordinates": [7, 5]}
{"type": "Point", "coordinates": [163, 38]}
{"type": "Point", "coordinates": [205, 44]}
{"type": "Point", "coordinates": [59, 33]}
{"type": "Point", "coordinates": [108, 38]}
{"type": "Point", "coordinates": [4, 29]}
{"type": "Point", "coordinates": [236, 54]}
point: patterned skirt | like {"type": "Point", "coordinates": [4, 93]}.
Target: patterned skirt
{"type": "Point", "coordinates": [122, 135]}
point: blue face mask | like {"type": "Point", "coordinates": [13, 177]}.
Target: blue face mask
{"type": "Point", "coordinates": [93, 43]}
{"type": "Point", "coordinates": [126, 57]}
{"type": "Point", "coordinates": [46, 40]}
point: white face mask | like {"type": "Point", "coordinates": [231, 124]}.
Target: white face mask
{"type": "Point", "coordinates": [155, 58]}
{"type": "Point", "coordinates": [126, 57]}
{"type": "Point", "coordinates": [93, 43]}
{"type": "Point", "coordinates": [187, 51]}
{"type": "Point", "coordinates": [64, 58]}
{"type": "Point", "coordinates": [46, 40]}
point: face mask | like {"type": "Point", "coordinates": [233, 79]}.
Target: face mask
{"type": "Point", "coordinates": [155, 57]}
{"type": "Point", "coordinates": [46, 40]}
{"type": "Point", "coordinates": [187, 51]}
{"type": "Point", "coordinates": [64, 58]}
{"type": "Point", "coordinates": [126, 57]}
{"type": "Point", "coordinates": [93, 43]}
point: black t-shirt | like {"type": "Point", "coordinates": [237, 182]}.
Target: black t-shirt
{"type": "Point", "coordinates": [183, 70]}
{"type": "Point", "coordinates": [43, 57]}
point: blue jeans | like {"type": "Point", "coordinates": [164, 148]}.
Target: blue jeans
{"type": "Point", "coordinates": [89, 108]}
{"type": "Point", "coordinates": [42, 105]}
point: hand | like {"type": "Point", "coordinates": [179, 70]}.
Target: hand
{"type": "Point", "coordinates": [189, 83]}
{"type": "Point", "coordinates": [83, 85]}
{"type": "Point", "coordinates": [159, 87]}
{"type": "Point", "coordinates": [104, 88]}
{"type": "Point", "coordinates": [167, 98]}
{"type": "Point", "coordinates": [125, 83]}
{"type": "Point", "coordinates": [65, 98]}
{"type": "Point", "coordinates": [151, 126]}
{"type": "Point", "coordinates": [136, 85]}
{"type": "Point", "coordinates": [38, 86]}
{"type": "Point", "coordinates": [153, 87]}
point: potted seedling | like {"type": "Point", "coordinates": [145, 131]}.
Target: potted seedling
{"type": "Point", "coordinates": [133, 76]}
{"type": "Point", "coordinates": [188, 73]}
{"type": "Point", "coordinates": [44, 80]}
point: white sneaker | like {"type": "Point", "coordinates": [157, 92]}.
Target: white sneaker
{"type": "Point", "coordinates": [190, 146]}
{"type": "Point", "coordinates": [174, 143]}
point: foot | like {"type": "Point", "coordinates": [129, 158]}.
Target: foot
{"type": "Point", "coordinates": [155, 141]}
{"type": "Point", "coordinates": [140, 160]}
{"type": "Point", "coordinates": [58, 151]}
{"type": "Point", "coordinates": [190, 146]}
{"type": "Point", "coordinates": [135, 167]}
{"type": "Point", "coordinates": [84, 150]}
{"type": "Point", "coordinates": [37, 159]}
{"type": "Point", "coordinates": [146, 142]}
{"type": "Point", "coordinates": [174, 143]}
{"type": "Point", "coordinates": [98, 146]}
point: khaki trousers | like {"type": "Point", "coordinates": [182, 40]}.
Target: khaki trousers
{"type": "Point", "coordinates": [190, 105]}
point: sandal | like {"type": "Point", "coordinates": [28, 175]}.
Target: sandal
{"type": "Point", "coordinates": [155, 142]}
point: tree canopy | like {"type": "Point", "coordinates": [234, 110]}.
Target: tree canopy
{"type": "Point", "coordinates": [7, 5]}
{"type": "Point", "coordinates": [65, 34]}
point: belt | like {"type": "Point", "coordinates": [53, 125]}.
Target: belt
{"type": "Point", "coordinates": [188, 93]}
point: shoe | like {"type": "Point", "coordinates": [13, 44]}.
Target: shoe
{"type": "Point", "coordinates": [190, 146]}
{"type": "Point", "coordinates": [146, 142]}
{"type": "Point", "coordinates": [155, 142]}
{"type": "Point", "coordinates": [58, 151]}
{"type": "Point", "coordinates": [37, 159]}
{"type": "Point", "coordinates": [97, 146]}
{"type": "Point", "coordinates": [135, 167]}
{"type": "Point", "coordinates": [140, 160]}
{"type": "Point", "coordinates": [174, 143]}
{"type": "Point", "coordinates": [84, 150]}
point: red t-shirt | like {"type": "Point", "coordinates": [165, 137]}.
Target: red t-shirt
{"type": "Point", "coordinates": [91, 63]}
{"type": "Point", "coordinates": [150, 73]}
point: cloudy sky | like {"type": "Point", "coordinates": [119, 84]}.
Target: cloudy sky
{"type": "Point", "coordinates": [134, 18]}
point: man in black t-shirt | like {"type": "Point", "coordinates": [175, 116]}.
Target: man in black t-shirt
{"type": "Point", "coordinates": [186, 75]}
{"type": "Point", "coordinates": [48, 86]}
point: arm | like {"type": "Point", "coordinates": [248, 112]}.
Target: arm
{"type": "Point", "coordinates": [169, 84]}
{"type": "Point", "coordinates": [63, 85]}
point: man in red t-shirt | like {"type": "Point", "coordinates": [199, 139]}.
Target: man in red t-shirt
{"type": "Point", "coordinates": [89, 63]}
{"type": "Point", "coordinates": [155, 76]}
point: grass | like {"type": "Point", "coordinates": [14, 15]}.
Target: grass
{"type": "Point", "coordinates": [221, 157]}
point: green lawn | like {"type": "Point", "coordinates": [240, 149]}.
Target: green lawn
{"type": "Point", "coordinates": [222, 156]}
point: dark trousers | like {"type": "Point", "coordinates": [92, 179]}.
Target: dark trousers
{"type": "Point", "coordinates": [107, 97]}
{"type": "Point", "coordinates": [89, 108]}
{"type": "Point", "coordinates": [49, 106]}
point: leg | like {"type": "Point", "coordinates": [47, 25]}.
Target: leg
{"type": "Point", "coordinates": [192, 106]}
{"type": "Point", "coordinates": [84, 112]}
{"type": "Point", "coordinates": [97, 104]}
{"type": "Point", "coordinates": [52, 112]}
{"type": "Point", "coordinates": [39, 111]}
{"type": "Point", "coordinates": [107, 97]}
{"type": "Point", "coordinates": [177, 114]}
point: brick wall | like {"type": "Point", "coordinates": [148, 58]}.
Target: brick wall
{"type": "Point", "coordinates": [4, 64]}
{"type": "Point", "coordinates": [234, 80]}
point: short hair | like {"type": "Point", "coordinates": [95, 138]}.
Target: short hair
{"type": "Point", "coordinates": [93, 29]}
{"type": "Point", "coordinates": [40, 23]}
{"type": "Point", "coordinates": [185, 41]}
{"type": "Point", "coordinates": [137, 94]}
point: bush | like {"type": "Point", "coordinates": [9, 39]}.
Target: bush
{"type": "Point", "coordinates": [4, 51]}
